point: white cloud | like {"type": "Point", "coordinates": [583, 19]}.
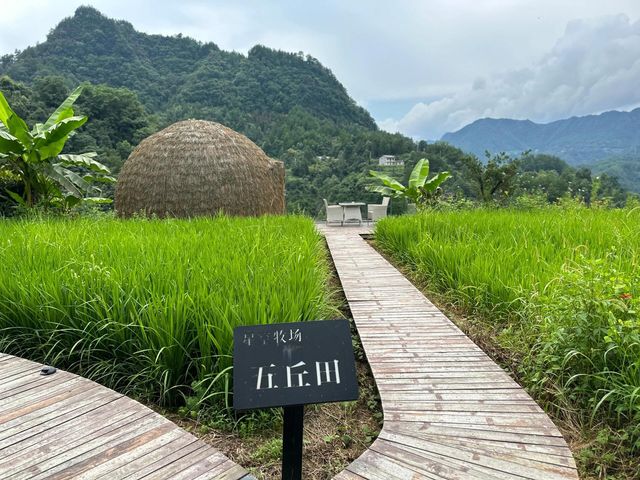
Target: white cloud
{"type": "Point", "coordinates": [594, 66]}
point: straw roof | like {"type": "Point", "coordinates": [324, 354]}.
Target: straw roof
{"type": "Point", "coordinates": [194, 168]}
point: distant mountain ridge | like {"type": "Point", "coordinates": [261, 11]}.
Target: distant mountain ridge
{"type": "Point", "coordinates": [578, 140]}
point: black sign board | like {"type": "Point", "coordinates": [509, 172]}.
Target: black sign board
{"type": "Point", "coordinates": [293, 364]}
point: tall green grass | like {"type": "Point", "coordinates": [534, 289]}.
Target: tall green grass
{"type": "Point", "coordinates": [561, 286]}
{"type": "Point", "coordinates": [491, 260]}
{"type": "Point", "coordinates": [148, 307]}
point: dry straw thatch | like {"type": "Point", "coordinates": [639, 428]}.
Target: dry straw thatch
{"type": "Point", "coordinates": [195, 168]}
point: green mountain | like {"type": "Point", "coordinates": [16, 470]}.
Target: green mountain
{"type": "Point", "coordinates": [180, 76]}
{"type": "Point", "coordinates": [136, 83]}
{"type": "Point", "coordinates": [578, 140]}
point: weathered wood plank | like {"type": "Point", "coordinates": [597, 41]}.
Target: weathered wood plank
{"type": "Point", "coordinates": [19, 435]}
{"type": "Point", "coordinates": [150, 458]}
{"type": "Point", "coordinates": [472, 433]}
{"type": "Point", "coordinates": [66, 427]}
{"type": "Point", "coordinates": [500, 463]}
{"type": "Point", "coordinates": [102, 406]}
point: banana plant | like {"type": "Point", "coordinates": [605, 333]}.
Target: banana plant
{"type": "Point", "coordinates": [34, 157]}
{"type": "Point", "coordinates": [420, 190]}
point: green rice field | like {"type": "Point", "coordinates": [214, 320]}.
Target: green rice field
{"type": "Point", "coordinates": [148, 307]}
{"type": "Point", "coordinates": [558, 290]}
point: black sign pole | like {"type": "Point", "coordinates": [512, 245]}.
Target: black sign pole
{"type": "Point", "coordinates": [292, 442]}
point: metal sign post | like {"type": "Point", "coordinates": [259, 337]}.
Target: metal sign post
{"type": "Point", "coordinates": [291, 365]}
{"type": "Point", "coordinates": [292, 442]}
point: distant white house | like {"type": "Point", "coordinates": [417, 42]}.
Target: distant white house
{"type": "Point", "coordinates": [390, 161]}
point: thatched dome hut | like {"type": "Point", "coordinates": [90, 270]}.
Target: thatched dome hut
{"type": "Point", "coordinates": [194, 168]}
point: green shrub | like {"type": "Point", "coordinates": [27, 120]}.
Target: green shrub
{"type": "Point", "coordinates": [589, 342]}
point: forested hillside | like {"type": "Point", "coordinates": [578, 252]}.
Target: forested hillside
{"type": "Point", "coordinates": [180, 76]}
{"type": "Point", "coordinates": [625, 168]}
{"type": "Point", "coordinates": [289, 104]}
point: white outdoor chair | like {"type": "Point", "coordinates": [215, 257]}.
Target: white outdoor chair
{"type": "Point", "coordinates": [376, 212]}
{"type": "Point", "coordinates": [334, 213]}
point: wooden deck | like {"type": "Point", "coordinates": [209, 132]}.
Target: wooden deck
{"type": "Point", "coordinates": [63, 426]}
{"type": "Point", "coordinates": [450, 412]}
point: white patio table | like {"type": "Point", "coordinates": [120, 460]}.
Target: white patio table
{"type": "Point", "coordinates": [352, 212]}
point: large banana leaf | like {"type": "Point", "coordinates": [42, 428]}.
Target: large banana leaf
{"type": "Point", "coordinates": [38, 129]}
{"type": "Point", "coordinates": [64, 110]}
{"type": "Point", "coordinates": [419, 174]}
{"type": "Point", "coordinates": [99, 178]}
{"type": "Point", "coordinates": [60, 130]}
{"type": "Point", "coordinates": [13, 123]}
{"type": "Point", "coordinates": [387, 180]}
{"type": "Point", "coordinates": [10, 144]}
{"type": "Point", "coordinates": [386, 191]}
{"type": "Point", "coordinates": [51, 142]}
{"type": "Point", "coordinates": [85, 160]}
{"type": "Point", "coordinates": [59, 175]}
{"type": "Point", "coordinates": [435, 182]}
{"type": "Point", "coordinates": [5, 110]}
{"type": "Point", "coordinates": [77, 180]}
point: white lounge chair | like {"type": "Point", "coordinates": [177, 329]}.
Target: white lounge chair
{"type": "Point", "coordinates": [334, 213]}
{"type": "Point", "coordinates": [376, 212]}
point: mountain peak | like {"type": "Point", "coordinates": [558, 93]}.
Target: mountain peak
{"type": "Point", "coordinates": [88, 11]}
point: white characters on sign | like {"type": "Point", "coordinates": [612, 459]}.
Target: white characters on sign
{"type": "Point", "coordinates": [301, 382]}
{"type": "Point", "coordinates": [287, 336]}
{"type": "Point", "coordinates": [326, 372]}
{"type": "Point", "coordinates": [269, 378]}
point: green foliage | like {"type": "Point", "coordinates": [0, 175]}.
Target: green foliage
{"type": "Point", "coordinates": [589, 343]}
{"type": "Point", "coordinates": [270, 453]}
{"type": "Point", "coordinates": [495, 179]}
{"type": "Point", "coordinates": [559, 289]}
{"type": "Point", "coordinates": [419, 190]}
{"type": "Point", "coordinates": [34, 158]}
{"type": "Point", "coordinates": [148, 307]}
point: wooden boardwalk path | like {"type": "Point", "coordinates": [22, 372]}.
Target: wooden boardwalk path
{"type": "Point", "coordinates": [63, 426]}
{"type": "Point", "coordinates": [449, 411]}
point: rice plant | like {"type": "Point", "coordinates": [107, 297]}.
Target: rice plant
{"type": "Point", "coordinates": [148, 307]}
{"type": "Point", "coordinates": [563, 287]}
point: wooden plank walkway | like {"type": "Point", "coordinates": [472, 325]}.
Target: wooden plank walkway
{"type": "Point", "coordinates": [450, 412]}
{"type": "Point", "coordinates": [63, 426]}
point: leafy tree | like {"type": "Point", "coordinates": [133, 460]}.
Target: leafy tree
{"type": "Point", "coordinates": [536, 163]}
{"type": "Point", "coordinates": [495, 179]}
{"type": "Point", "coordinates": [34, 157]}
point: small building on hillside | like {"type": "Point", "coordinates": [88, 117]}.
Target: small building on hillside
{"type": "Point", "coordinates": [390, 161]}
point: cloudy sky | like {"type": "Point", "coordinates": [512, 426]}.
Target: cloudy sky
{"type": "Point", "coordinates": [422, 67]}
